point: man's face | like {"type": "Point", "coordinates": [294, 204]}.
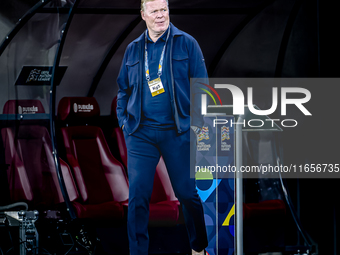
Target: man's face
{"type": "Point", "coordinates": [156, 16]}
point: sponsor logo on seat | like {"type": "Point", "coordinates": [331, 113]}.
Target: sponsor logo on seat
{"type": "Point", "coordinates": [27, 110]}
{"type": "Point", "coordinates": [82, 107]}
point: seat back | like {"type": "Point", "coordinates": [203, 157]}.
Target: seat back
{"type": "Point", "coordinates": [99, 176]}
{"type": "Point", "coordinates": [28, 106]}
{"type": "Point", "coordinates": [32, 174]}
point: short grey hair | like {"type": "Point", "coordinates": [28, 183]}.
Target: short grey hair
{"type": "Point", "coordinates": [143, 2]}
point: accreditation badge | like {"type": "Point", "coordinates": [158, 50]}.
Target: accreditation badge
{"type": "Point", "coordinates": [156, 87]}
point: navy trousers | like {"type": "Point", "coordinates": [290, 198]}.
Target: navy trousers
{"type": "Point", "coordinates": [144, 149]}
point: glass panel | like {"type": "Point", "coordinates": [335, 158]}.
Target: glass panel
{"type": "Point", "coordinates": [26, 162]}
{"type": "Point", "coordinates": [11, 12]}
{"type": "Point", "coordinates": [89, 39]}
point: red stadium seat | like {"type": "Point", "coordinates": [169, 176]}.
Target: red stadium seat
{"type": "Point", "coordinates": [264, 210]}
{"type": "Point", "coordinates": [32, 176]}
{"type": "Point", "coordinates": [101, 179]}
{"type": "Point", "coordinates": [264, 225]}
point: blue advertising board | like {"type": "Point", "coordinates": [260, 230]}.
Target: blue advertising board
{"type": "Point", "coordinates": [215, 161]}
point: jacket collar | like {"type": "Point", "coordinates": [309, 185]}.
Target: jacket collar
{"type": "Point", "coordinates": [174, 31]}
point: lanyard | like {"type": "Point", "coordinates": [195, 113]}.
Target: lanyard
{"type": "Point", "coordinates": [160, 68]}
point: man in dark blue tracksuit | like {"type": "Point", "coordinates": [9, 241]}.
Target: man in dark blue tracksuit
{"type": "Point", "coordinates": [153, 109]}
